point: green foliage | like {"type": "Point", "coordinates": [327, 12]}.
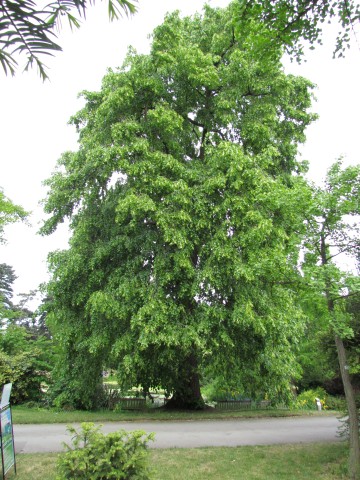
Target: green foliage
{"type": "Point", "coordinates": [118, 455]}
{"type": "Point", "coordinates": [29, 29]}
{"type": "Point", "coordinates": [186, 208]}
{"type": "Point", "coordinates": [307, 399]}
{"type": "Point", "coordinates": [7, 278]}
{"type": "Point", "coordinates": [333, 228]}
{"type": "Point", "coordinates": [26, 354]}
{"type": "Point", "coordinates": [293, 22]}
{"type": "Point", "coordinates": [316, 355]}
{"type": "Point", "coordinates": [218, 389]}
{"type": "Point", "coordinates": [9, 212]}
{"type": "Point", "coordinates": [336, 403]}
{"type": "Point", "coordinates": [77, 382]}
{"type": "Point", "coordinates": [22, 371]}
{"type": "Point", "coordinates": [353, 343]}
{"type": "Point", "coordinates": [25, 363]}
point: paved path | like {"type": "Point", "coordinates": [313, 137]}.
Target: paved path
{"type": "Point", "coordinates": [190, 434]}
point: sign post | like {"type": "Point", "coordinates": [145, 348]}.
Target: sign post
{"type": "Point", "coordinates": [6, 432]}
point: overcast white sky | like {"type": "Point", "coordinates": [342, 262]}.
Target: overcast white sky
{"type": "Point", "coordinates": [34, 116]}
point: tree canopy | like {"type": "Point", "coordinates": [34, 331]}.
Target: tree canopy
{"type": "Point", "coordinates": [29, 29]}
{"type": "Point", "coordinates": [185, 209]}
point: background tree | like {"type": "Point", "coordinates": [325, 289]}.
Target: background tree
{"type": "Point", "coordinates": [185, 213]}
{"type": "Point", "coordinates": [27, 362]}
{"type": "Point", "coordinates": [333, 231]}
{"type": "Point", "coordinates": [7, 278]}
{"type": "Point", "coordinates": [316, 356]}
{"type": "Point", "coordinates": [10, 312]}
{"type": "Point", "coordinates": [9, 213]}
{"type": "Point", "coordinates": [26, 351]}
{"type": "Point", "coordinates": [28, 29]}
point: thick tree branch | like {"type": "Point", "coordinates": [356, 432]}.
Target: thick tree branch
{"type": "Point", "coordinates": [341, 297]}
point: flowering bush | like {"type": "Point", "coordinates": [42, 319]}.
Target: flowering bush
{"type": "Point", "coordinates": [307, 399]}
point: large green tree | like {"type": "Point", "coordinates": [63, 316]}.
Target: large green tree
{"type": "Point", "coordinates": [333, 232]}
{"type": "Point", "coordinates": [185, 209]}
{"type": "Point", "coordinates": [30, 29]}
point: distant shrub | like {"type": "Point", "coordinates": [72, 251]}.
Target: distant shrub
{"type": "Point", "coordinates": [26, 363]}
{"type": "Point", "coordinates": [217, 391]}
{"type": "Point", "coordinates": [93, 455]}
{"type": "Point", "coordinates": [336, 403]}
{"type": "Point", "coordinates": [307, 399]}
{"type": "Point", "coordinates": [23, 372]}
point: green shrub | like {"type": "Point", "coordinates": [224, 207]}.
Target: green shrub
{"type": "Point", "coordinates": [216, 390]}
{"type": "Point", "coordinates": [77, 382]}
{"type": "Point", "coordinates": [26, 363]}
{"type": "Point", "coordinates": [307, 400]}
{"type": "Point", "coordinates": [336, 403]}
{"type": "Point", "coordinates": [23, 372]}
{"type": "Point", "coordinates": [95, 456]}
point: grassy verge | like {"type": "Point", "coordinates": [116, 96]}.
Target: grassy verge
{"type": "Point", "coordinates": [41, 415]}
{"type": "Point", "coordinates": [326, 461]}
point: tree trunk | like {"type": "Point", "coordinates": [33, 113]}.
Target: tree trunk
{"type": "Point", "coordinates": [354, 454]}
{"type": "Point", "coordinates": [354, 458]}
{"type": "Point", "coordinates": [187, 395]}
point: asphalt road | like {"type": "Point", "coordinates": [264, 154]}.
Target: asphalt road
{"type": "Point", "coordinates": [190, 434]}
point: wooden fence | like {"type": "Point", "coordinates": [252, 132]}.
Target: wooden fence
{"type": "Point", "coordinates": [131, 403]}
{"type": "Point", "coordinates": [241, 404]}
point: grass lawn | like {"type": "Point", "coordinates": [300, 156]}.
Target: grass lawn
{"type": "Point", "coordinates": [320, 461]}
{"type": "Point", "coordinates": [23, 414]}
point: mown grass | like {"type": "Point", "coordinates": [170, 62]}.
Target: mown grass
{"type": "Point", "coordinates": [320, 461]}
{"type": "Point", "coordinates": [22, 414]}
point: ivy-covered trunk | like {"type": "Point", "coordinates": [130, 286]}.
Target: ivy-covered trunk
{"type": "Point", "coordinates": [354, 458]}
{"type": "Point", "coordinates": [188, 395]}
{"type": "Point", "coordinates": [354, 444]}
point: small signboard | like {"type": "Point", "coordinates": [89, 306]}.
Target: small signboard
{"type": "Point", "coordinates": [5, 397]}
{"type": "Point", "coordinates": [6, 432]}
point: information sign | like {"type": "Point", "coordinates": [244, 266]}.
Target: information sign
{"type": "Point", "coordinates": [5, 397]}
{"type": "Point", "coordinates": [7, 444]}
{"type": "Point", "coordinates": [6, 432]}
